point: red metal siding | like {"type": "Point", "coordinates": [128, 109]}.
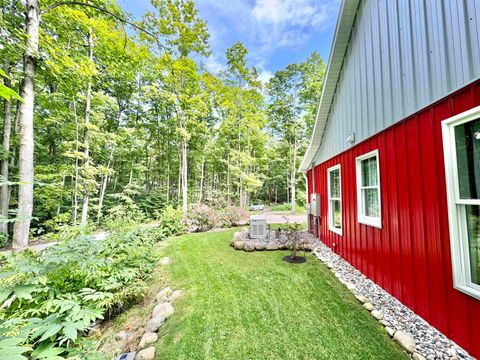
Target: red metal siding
{"type": "Point", "coordinates": [410, 256]}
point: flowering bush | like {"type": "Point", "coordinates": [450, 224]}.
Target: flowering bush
{"type": "Point", "coordinates": [201, 218]}
{"type": "Point", "coordinates": [233, 216]}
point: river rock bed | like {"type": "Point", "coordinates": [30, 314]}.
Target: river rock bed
{"type": "Point", "coordinates": [428, 342]}
{"type": "Point", "coordinates": [275, 240]}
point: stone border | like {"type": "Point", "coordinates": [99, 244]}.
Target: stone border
{"type": "Point", "coordinates": [162, 310]}
{"type": "Point", "coordinates": [418, 338]}
{"type": "Point", "coordinates": [242, 241]}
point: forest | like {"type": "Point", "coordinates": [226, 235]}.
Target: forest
{"type": "Point", "coordinates": [109, 118]}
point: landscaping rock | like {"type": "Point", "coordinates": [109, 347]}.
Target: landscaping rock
{"type": "Point", "coordinates": [148, 339]}
{"type": "Point", "coordinates": [249, 246]}
{"type": "Point", "coordinates": [272, 246]}
{"type": "Point", "coordinates": [177, 294]}
{"type": "Point", "coordinates": [417, 356]}
{"type": "Point", "coordinates": [164, 261]}
{"type": "Point", "coordinates": [389, 331]}
{"type": "Point", "coordinates": [154, 324]}
{"type": "Point", "coordinates": [283, 247]}
{"type": "Point", "coordinates": [163, 294]}
{"type": "Point", "coordinates": [238, 245]}
{"type": "Point", "coordinates": [351, 287]}
{"type": "Point", "coordinates": [368, 306]}
{"type": "Point", "coordinates": [405, 340]}
{"type": "Point", "coordinates": [164, 309]}
{"type": "Point", "coordinates": [260, 246]}
{"type": "Point", "coordinates": [362, 299]}
{"type": "Point", "coordinates": [122, 335]}
{"type": "Point", "coordinates": [146, 354]}
{"type": "Point", "coordinates": [385, 323]}
{"type": "Point", "coordinates": [329, 265]}
{"type": "Point", "coordinates": [377, 314]}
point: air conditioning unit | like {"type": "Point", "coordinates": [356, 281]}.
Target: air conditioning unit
{"type": "Point", "coordinates": [258, 226]}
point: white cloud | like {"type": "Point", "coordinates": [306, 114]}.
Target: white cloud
{"type": "Point", "coordinates": [288, 22]}
{"type": "Point", "coordinates": [264, 76]}
{"type": "Point", "coordinates": [214, 65]}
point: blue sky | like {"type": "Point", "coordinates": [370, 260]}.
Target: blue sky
{"type": "Point", "coordinates": [275, 32]}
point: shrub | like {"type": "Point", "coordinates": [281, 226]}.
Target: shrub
{"type": "Point", "coordinates": [201, 218]}
{"type": "Point", "coordinates": [50, 299]}
{"type": "Point", "coordinates": [121, 216]}
{"type": "Point", "coordinates": [233, 216]}
{"type": "Point", "coordinates": [66, 232]}
{"type": "Point", "coordinates": [282, 207]}
{"type": "Point", "coordinates": [126, 212]}
{"type": "Point", "coordinates": [171, 221]}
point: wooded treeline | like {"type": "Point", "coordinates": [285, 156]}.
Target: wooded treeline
{"type": "Point", "coordinates": [119, 117]}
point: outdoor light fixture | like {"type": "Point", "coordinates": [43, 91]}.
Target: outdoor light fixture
{"type": "Point", "coordinates": [351, 138]}
{"type": "Point", "coordinates": [477, 135]}
{"type": "Point", "coordinates": [127, 356]}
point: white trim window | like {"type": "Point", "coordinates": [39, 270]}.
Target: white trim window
{"type": "Point", "coordinates": [368, 190]}
{"type": "Point", "coordinates": [461, 141]}
{"type": "Point", "coordinates": [335, 199]}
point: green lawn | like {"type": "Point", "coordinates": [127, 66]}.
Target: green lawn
{"type": "Point", "coordinates": [241, 305]}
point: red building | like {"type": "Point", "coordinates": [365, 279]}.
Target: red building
{"type": "Point", "coordinates": [393, 166]}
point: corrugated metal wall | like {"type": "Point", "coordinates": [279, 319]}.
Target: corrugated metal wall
{"type": "Point", "coordinates": [403, 55]}
{"type": "Point", "coordinates": [410, 256]}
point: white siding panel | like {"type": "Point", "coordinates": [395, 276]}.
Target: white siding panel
{"type": "Point", "coordinates": [402, 56]}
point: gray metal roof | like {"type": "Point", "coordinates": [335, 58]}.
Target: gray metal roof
{"type": "Point", "coordinates": [343, 31]}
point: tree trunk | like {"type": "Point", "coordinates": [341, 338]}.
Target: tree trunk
{"type": "Point", "coordinates": [25, 109]}
{"type": "Point", "coordinates": [75, 186]}
{"type": "Point", "coordinates": [200, 193]}
{"type": "Point", "coordinates": [86, 137]}
{"type": "Point", "coordinates": [5, 190]}
{"type": "Point", "coordinates": [104, 187]}
{"type": "Point", "coordinates": [184, 176]}
{"type": "Point", "coordinates": [293, 179]}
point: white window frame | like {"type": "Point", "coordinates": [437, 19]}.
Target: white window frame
{"type": "Point", "coordinates": [456, 206]}
{"type": "Point", "coordinates": [331, 219]}
{"type": "Point", "coordinates": [362, 218]}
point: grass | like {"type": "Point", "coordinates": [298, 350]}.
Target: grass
{"type": "Point", "coordinates": [282, 207]}
{"type": "Point", "coordinates": [241, 305]}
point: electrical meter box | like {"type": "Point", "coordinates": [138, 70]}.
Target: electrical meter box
{"type": "Point", "coordinates": [315, 204]}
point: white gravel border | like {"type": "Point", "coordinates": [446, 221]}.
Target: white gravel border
{"type": "Point", "coordinates": [429, 342]}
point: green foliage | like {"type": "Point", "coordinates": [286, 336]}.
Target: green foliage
{"type": "Point", "coordinates": [171, 221]}
{"type": "Point", "coordinates": [126, 212]}
{"type": "Point", "coordinates": [50, 299]}
{"type": "Point", "coordinates": [282, 207]}
{"type": "Point", "coordinates": [5, 91]}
